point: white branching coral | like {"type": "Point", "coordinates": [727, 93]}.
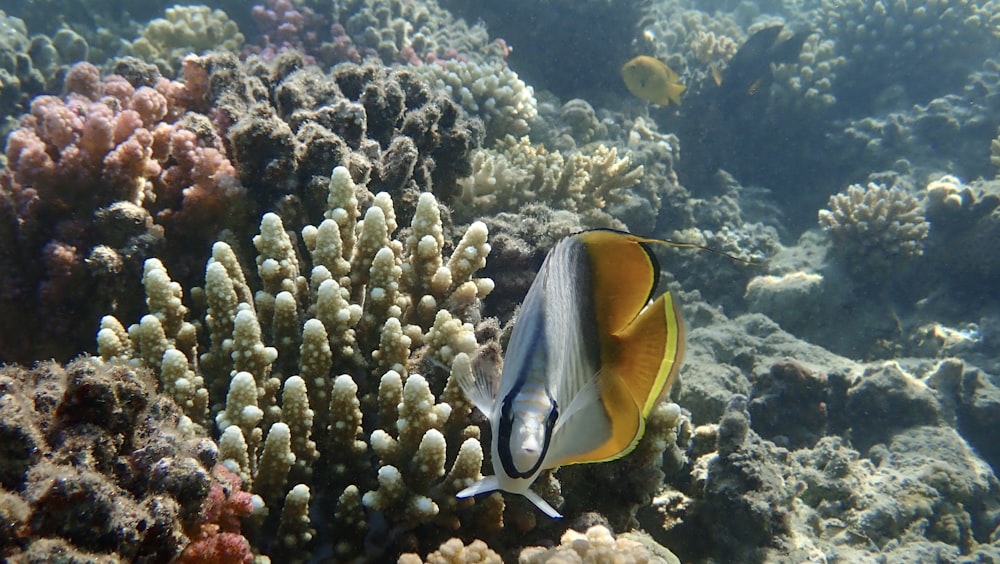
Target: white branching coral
{"type": "Point", "coordinates": [290, 374]}
{"type": "Point", "coordinates": [874, 227]}
{"type": "Point", "coordinates": [516, 172]}
{"type": "Point", "coordinates": [491, 91]}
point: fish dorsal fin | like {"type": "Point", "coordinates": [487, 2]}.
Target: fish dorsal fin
{"type": "Point", "coordinates": [624, 274]}
{"type": "Point", "coordinates": [640, 346]}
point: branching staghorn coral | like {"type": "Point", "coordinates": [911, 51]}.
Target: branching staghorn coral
{"type": "Point", "coordinates": [516, 172]}
{"type": "Point", "coordinates": [874, 227]}
{"type": "Point", "coordinates": [310, 379]}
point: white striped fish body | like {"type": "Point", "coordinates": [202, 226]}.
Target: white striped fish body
{"type": "Point", "coordinates": [557, 403]}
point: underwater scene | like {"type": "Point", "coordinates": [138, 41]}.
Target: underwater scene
{"type": "Point", "coordinates": [630, 281]}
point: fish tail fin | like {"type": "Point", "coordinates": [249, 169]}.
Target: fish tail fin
{"type": "Point", "coordinates": [675, 93]}
{"type": "Point", "coordinates": [650, 354]}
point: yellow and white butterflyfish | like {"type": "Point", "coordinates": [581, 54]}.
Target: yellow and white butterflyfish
{"type": "Point", "coordinates": [588, 360]}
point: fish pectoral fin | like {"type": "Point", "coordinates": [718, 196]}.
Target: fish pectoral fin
{"type": "Point", "coordinates": [479, 385]}
{"type": "Point", "coordinates": [486, 485]}
{"type": "Point", "coordinates": [651, 350]}
{"type": "Point", "coordinates": [542, 505]}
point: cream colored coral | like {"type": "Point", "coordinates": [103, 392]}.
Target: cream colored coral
{"type": "Point", "coordinates": [515, 172]}
{"type": "Point", "coordinates": [874, 226]}
{"type": "Point", "coordinates": [241, 405]}
{"type": "Point", "coordinates": [234, 453]}
{"type": "Point", "coordinates": [295, 529]}
{"type": "Point", "coordinates": [454, 551]}
{"type": "Point", "coordinates": [322, 324]}
{"type": "Point", "coordinates": [345, 423]}
{"type": "Point", "coordinates": [184, 385]}
{"type": "Point", "coordinates": [112, 339]}
{"type": "Point", "coordinates": [296, 411]}
{"type": "Point", "coordinates": [342, 207]}
{"type": "Point", "coordinates": [186, 29]}
{"type": "Point", "coordinates": [163, 296]}
{"type": "Point", "coordinates": [598, 544]}
{"type": "Point", "coordinates": [947, 194]}
{"type": "Point", "coordinates": [492, 91]}
{"type": "Point", "coordinates": [276, 459]}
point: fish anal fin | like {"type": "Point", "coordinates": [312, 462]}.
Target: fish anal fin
{"type": "Point", "coordinates": [621, 424]}
{"type": "Point", "coordinates": [649, 353]}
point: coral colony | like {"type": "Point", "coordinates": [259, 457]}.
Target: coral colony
{"type": "Point", "coordinates": [259, 264]}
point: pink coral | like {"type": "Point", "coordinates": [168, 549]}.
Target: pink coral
{"type": "Point", "coordinates": [105, 141]}
{"type": "Point", "coordinates": [284, 27]}
{"type": "Point", "coordinates": [217, 537]}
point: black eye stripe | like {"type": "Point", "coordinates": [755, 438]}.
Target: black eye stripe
{"type": "Point", "coordinates": [504, 431]}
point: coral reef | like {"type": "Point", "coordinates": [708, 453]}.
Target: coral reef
{"type": "Point", "coordinates": [407, 32]}
{"type": "Point", "coordinates": [96, 463]}
{"type": "Point", "coordinates": [94, 182]}
{"type": "Point", "coordinates": [514, 173]}
{"type": "Point", "coordinates": [490, 90]}
{"type": "Point", "coordinates": [320, 344]}
{"type": "Point", "coordinates": [454, 551]}
{"type": "Point", "coordinates": [216, 536]}
{"type": "Point", "coordinates": [32, 65]}
{"type": "Point", "coordinates": [788, 405]}
{"type": "Point", "coordinates": [965, 219]}
{"type": "Point", "coordinates": [895, 488]}
{"type": "Point", "coordinates": [410, 31]}
{"type": "Point", "coordinates": [951, 132]}
{"type": "Point", "coordinates": [886, 46]}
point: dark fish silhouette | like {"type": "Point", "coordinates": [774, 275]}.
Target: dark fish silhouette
{"type": "Point", "coordinates": [722, 121]}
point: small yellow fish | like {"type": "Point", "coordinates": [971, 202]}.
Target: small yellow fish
{"type": "Point", "coordinates": [652, 80]}
{"type": "Point", "coordinates": [588, 360]}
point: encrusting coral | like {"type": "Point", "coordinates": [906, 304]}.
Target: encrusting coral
{"type": "Point", "coordinates": [96, 462]}
{"type": "Point", "coordinates": [286, 122]}
{"type": "Point", "coordinates": [372, 308]}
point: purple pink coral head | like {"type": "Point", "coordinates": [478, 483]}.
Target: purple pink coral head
{"type": "Point", "coordinates": [103, 142]}
{"type": "Point", "coordinates": [216, 537]}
